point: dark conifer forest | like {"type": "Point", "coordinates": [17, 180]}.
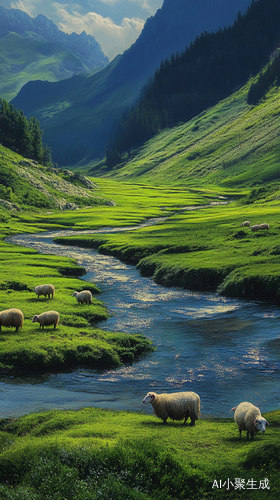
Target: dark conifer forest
{"type": "Point", "coordinates": [22, 135]}
{"type": "Point", "coordinates": [210, 69]}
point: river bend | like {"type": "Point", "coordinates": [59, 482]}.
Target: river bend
{"type": "Point", "coordinates": [226, 350]}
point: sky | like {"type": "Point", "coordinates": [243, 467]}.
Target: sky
{"type": "Point", "coordinates": [115, 24]}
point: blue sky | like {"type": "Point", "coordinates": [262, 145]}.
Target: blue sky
{"type": "Point", "coordinates": [115, 24]}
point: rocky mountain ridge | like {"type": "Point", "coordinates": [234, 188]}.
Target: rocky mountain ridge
{"type": "Point", "coordinates": [42, 29]}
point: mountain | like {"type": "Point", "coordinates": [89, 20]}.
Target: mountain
{"type": "Point", "coordinates": [33, 49]}
{"type": "Point", "coordinates": [205, 73]}
{"type": "Point", "coordinates": [78, 116]}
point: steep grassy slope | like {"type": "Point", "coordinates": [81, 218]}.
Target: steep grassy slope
{"type": "Point", "coordinates": [232, 144]}
{"type": "Point", "coordinates": [26, 184]}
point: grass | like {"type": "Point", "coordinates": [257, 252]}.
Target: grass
{"type": "Point", "coordinates": [76, 341]}
{"type": "Point", "coordinates": [205, 249]}
{"type": "Point", "coordinates": [232, 145]}
{"type": "Point", "coordinates": [94, 453]}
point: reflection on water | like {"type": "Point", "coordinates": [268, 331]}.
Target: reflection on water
{"type": "Point", "coordinates": [226, 350]}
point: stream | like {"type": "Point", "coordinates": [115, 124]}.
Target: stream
{"type": "Point", "coordinates": [226, 350]}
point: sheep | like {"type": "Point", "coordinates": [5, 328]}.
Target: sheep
{"type": "Point", "coordinates": [176, 405]}
{"type": "Point", "coordinates": [84, 296]}
{"type": "Point", "coordinates": [11, 318]}
{"type": "Point", "coordinates": [245, 223]}
{"type": "Point", "coordinates": [46, 290]}
{"type": "Point", "coordinates": [46, 319]}
{"type": "Point", "coordinates": [264, 226]}
{"type": "Point", "coordinates": [256, 227]}
{"type": "Point", "coordinates": [248, 418]}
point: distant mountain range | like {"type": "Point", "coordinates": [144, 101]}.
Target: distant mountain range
{"type": "Point", "coordinates": [35, 49]}
{"type": "Point", "coordinates": [79, 114]}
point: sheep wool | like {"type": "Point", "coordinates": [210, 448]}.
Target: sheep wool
{"type": "Point", "coordinates": [84, 296]}
{"type": "Point", "coordinates": [11, 318]}
{"type": "Point", "coordinates": [46, 290]}
{"type": "Point", "coordinates": [47, 318]}
{"type": "Point", "coordinates": [246, 223]}
{"type": "Point", "coordinates": [176, 405]}
{"type": "Point", "coordinates": [256, 227]}
{"type": "Point", "coordinates": [248, 418]}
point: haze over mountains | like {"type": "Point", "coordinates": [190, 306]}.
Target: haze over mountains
{"type": "Point", "coordinates": [36, 49]}
{"type": "Point", "coordinates": [78, 115]}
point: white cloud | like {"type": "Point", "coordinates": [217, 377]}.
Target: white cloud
{"type": "Point", "coordinates": [149, 5]}
{"type": "Point", "coordinates": [28, 6]}
{"type": "Point", "coordinates": [113, 38]}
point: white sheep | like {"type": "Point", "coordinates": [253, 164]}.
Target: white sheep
{"type": "Point", "coordinates": [245, 223]}
{"type": "Point", "coordinates": [264, 226]}
{"type": "Point", "coordinates": [256, 227]}
{"type": "Point", "coordinates": [176, 405]}
{"type": "Point", "coordinates": [249, 418]}
{"type": "Point", "coordinates": [46, 319]}
{"type": "Point", "coordinates": [46, 290]}
{"type": "Point", "coordinates": [11, 318]}
{"type": "Point", "coordinates": [84, 296]}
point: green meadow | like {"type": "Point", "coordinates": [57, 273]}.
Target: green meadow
{"type": "Point", "coordinates": [93, 453]}
{"type": "Point", "coordinates": [205, 248]}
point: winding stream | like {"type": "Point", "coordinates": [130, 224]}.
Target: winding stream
{"type": "Point", "coordinates": [226, 350]}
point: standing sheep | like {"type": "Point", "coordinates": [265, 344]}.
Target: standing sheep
{"type": "Point", "coordinates": [11, 318]}
{"type": "Point", "coordinates": [46, 290]}
{"type": "Point", "coordinates": [84, 296]}
{"type": "Point", "coordinates": [248, 418]}
{"type": "Point", "coordinates": [264, 226]}
{"type": "Point", "coordinates": [256, 227]}
{"type": "Point", "coordinates": [245, 223]}
{"type": "Point", "coordinates": [46, 319]}
{"type": "Point", "coordinates": [177, 405]}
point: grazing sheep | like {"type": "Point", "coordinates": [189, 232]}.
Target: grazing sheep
{"type": "Point", "coordinates": [264, 226]}
{"type": "Point", "coordinates": [84, 296]}
{"type": "Point", "coordinates": [245, 223]}
{"type": "Point", "coordinates": [248, 418]}
{"type": "Point", "coordinates": [256, 227]}
{"type": "Point", "coordinates": [46, 290]}
{"type": "Point", "coordinates": [11, 318]}
{"type": "Point", "coordinates": [46, 319]}
{"type": "Point", "coordinates": [177, 405]}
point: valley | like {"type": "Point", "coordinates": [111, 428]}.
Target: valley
{"type": "Point", "coordinates": [184, 297]}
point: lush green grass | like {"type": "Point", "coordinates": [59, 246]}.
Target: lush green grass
{"type": "Point", "coordinates": [28, 185]}
{"type": "Point", "coordinates": [75, 341]}
{"type": "Point", "coordinates": [232, 145]}
{"type": "Point", "coordinates": [205, 249]}
{"type": "Point", "coordinates": [94, 453]}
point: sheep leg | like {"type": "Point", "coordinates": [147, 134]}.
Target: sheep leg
{"type": "Point", "coordinates": [248, 433]}
{"type": "Point", "coordinates": [192, 422]}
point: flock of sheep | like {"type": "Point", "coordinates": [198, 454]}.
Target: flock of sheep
{"type": "Point", "coordinates": [182, 405]}
{"type": "Point", "coordinates": [178, 405]}
{"type": "Point", "coordinates": [256, 227]}
{"type": "Point", "coordinates": [13, 318]}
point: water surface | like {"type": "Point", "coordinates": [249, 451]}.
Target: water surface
{"type": "Point", "coordinates": [226, 350]}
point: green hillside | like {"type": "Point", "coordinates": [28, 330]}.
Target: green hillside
{"type": "Point", "coordinates": [232, 144]}
{"type": "Point", "coordinates": [23, 60]}
{"type": "Point", "coordinates": [24, 184]}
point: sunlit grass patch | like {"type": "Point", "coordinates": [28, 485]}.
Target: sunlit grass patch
{"type": "Point", "coordinates": [105, 453]}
